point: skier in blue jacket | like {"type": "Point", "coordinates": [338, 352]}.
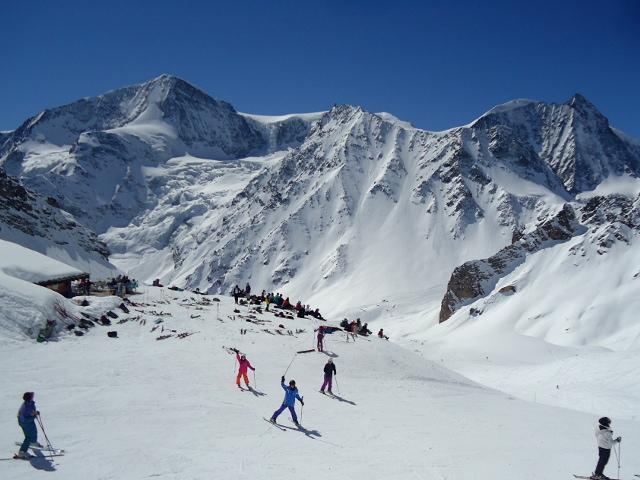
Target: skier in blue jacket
{"type": "Point", "coordinates": [27, 421]}
{"type": "Point", "coordinates": [290, 395]}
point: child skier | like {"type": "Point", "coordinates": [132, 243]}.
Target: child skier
{"type": "Point", "coordinates": [329, 371]}
{"type": "Point", "coordinates": [290, 395]}
{"type": "Point", "coordinates": [604, 436]}
{"type": "Point", "coordinates": [27, 421]}
{"type": "Point", "coordinates": [242, 371]}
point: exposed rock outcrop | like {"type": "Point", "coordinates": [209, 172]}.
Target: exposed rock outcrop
{"type": "Point", "coordinates": [39, 223]}
{"type": "Point", "coordinates": [477, 278]}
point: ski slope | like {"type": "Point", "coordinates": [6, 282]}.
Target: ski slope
{"type": "Point", "coordinates": [136, 407]}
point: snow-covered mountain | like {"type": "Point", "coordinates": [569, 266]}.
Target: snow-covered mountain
{"type": "Point", "coordinates": [343, 208]}
{"type": "Point", "coordinates": [94, 155]}
{"type": "Point", "coordinates": [39, 224]}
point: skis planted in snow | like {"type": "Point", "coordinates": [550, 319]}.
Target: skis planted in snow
{"type": "Point", "coordinates": [274, 424]}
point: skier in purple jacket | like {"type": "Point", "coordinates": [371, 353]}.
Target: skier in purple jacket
{"type": "Point", "coordinates": [27, 421]}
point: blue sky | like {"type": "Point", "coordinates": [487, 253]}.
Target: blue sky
{"type": "Point", "coordinates": [436, 64]}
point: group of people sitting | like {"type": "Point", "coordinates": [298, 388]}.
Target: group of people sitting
{"type": "Point", "coordinates": [276, 299]}
{"type": "Point", "coordinates": [356, 327]}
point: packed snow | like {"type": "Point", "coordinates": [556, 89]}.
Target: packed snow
{"type": "Point", "coordinates": [137, 407]}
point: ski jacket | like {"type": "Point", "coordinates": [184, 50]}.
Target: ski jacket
{"type": "Point", "coordinates": [27, 412]}
{"type": "Point", "coordinates": [244, 364]}
{"type": "Point", "coordinates": [290, 395]}
{"type": "Point", "coordinates": [330, 368]}
{"type": "Point", "coordinates": [604, 436]}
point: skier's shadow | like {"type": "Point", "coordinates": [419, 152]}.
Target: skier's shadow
{"type": "Point", "coordinates": [313, 434]}
{"type": "Point", "coordinates": [256, 392]}
{"type": "Point", "coordinates": [43, 463]}
{"type": "Point", "coordinates": [342, 399]}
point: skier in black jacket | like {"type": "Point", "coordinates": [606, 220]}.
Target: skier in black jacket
{"type": "Point", "coordinates": [329, 371]}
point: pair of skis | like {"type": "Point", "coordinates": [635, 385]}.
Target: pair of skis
{"type": "Point", "coordinates": [589, 478]}
{"type": "Point", "coordinates": [45, 451]}
{"type": "Point", "coordinates": [281, 427]}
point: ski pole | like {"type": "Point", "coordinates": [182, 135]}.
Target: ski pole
{"type": "Point", "coordinates": [338, 386]}
{"type": "Point", "coordinates": [291, 362]}
{"type": "Point", "coordinates": [45, 436]}
{"type": "Point", "coordinates": [301, 409]}
{"type": "Point", "coordinates": [254, 379]}
{"type": "Point", "coordinates": [618, 456]}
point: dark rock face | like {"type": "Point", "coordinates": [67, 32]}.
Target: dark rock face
{"type": "Point", "coordinates": [611, 219]}
{"type": "Point", "coordinates": [508, 290]}
{"type": "Point", "coordinates": [476, 278]}
{"type": "Point", "coordinates": [40, 217]}
{"type": "Point", "coordinates": [614, 208]}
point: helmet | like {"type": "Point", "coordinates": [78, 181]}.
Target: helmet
{"type": "Point", "coordinates": [605, 421]}
{"type": "Point", "coordinates": [28, 396]}
{"type": "Point", "coordinates": [292, 383]}
{"type": "Point", "coordinates": [243, 356]}
{"type": "Point", "coordinates": [330, 360]}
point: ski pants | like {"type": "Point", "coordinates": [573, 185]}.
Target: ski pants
{"type": "Point", "coordinates": [30, 434]}
{"type": "Point", "coordinates": [603, 458]}
{"type": "Point", "coordinates": [328, 380]}
{"type": "Point", "coordinates": [320, 344]}
{"type": "Point", "coordinates": [242, 375]}
{"type": "Point", "coordinates": [281, 409]}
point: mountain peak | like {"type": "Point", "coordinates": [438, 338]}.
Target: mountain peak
{"type": "Point", "coordinates": [168, 81]}
{"type": "Point", "coordinates": [166, 87]}
{"type": "Point", "coordinates": [584, 107]}
{"type": "Point", "coordinates": [578, 99]}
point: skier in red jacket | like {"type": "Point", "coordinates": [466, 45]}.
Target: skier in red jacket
{"type": "Point", "coordinates": [242, 371]}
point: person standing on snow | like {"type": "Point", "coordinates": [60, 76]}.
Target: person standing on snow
{"type": "Point", "coordinates": [320, 339]}
{"type": "Point", "coordinates": [329, 371]}
{"type": "Point", "coordinates": [27, 421]}
{"type": "Point", "coordinates": [290, 395]}
{"type": "Point", "coordinates": [604, 436]}
{"type": "Point", "coordinates": [236, 293]}
{"type": "Point", "coordinates": [267, 300]}
{"type": "Point", "coordinates": [242, 371]}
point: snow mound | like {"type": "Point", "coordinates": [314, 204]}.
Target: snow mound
{"type": "Point", "coordinates": [24, 306]}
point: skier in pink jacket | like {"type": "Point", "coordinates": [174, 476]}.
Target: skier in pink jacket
{"type": "Point", "coordinates": [242, 371]}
